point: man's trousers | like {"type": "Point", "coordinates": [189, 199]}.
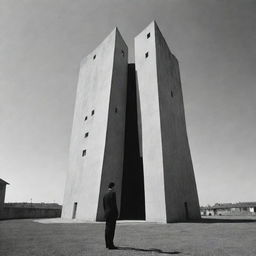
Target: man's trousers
{"type": "Point", "coordinates": [110, 232]}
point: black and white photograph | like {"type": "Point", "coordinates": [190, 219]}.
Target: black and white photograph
{"type": "Point", "coordinates": [127, 127]}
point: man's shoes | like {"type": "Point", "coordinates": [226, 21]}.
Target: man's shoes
{"type": "Point", "coordinates": [112, 247]}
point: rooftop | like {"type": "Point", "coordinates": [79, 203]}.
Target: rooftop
{"type": "Point", "coordinates": [3, 182]}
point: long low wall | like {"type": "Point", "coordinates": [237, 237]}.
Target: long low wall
{"type": "Point", "coordinates": [27, 213]}
{"type": "Point", "coordinates": [226, 213]}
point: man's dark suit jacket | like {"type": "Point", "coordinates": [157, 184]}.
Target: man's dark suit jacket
{"type": "Point", "coordinates": [109, 205]}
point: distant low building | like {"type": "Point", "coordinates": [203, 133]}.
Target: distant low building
{"type": "Point", "coordinates": [3, 184]}
{"type": "Point", "coordinates": [26, 210]}
{"type": "Point", "coordinates": [241, 208]}
{"type": "Point", "coordinates": [34, 205]}
{"type": "Point", "coordinates": [206, 211]}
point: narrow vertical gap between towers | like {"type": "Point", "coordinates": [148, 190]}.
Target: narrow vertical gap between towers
{"type": "Point", "coordinates": [133, 199]}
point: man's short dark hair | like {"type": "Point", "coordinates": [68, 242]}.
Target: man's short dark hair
{"type": "Point", "coordinates": [111, 185]}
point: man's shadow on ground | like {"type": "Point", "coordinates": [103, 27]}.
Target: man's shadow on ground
{"type": "Point", "coordinates": [146, 250]}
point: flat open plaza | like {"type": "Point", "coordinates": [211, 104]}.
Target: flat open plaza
{"type": "Point", "coordinates": [212, 236]}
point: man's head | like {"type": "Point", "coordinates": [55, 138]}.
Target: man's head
{"type": "Point", "coordinates": [111, 185]}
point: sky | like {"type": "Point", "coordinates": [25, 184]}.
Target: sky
{"type": "Point", "coordinates": [42, 43]}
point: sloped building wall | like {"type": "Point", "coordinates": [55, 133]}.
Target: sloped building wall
{"type": "Point", "coordinates": [170, 188]}
{"type": "Point", "coordinates": [97, 140]}
{"type": "Point", "coordinates": [112, 169]}
{"type": "Point", "coordinates": [180, 186]}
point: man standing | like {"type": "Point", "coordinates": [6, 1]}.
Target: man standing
{"type": "Point", "coordinates": [111, 214]}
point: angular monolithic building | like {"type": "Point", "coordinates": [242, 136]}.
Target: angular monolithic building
{"type": "Point", "coordinates": [129, 127]}
{"type": "Point", "coordinates": [170, 187]}
{"type": "Point", "coordinates": [97, 140]}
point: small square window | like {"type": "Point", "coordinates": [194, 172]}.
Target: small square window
{"type": "Point", "coordinates": [86, 134]}
{"type": "Point", "coordinates": [94, 57]}
{"type": "Point", "coordinates": [122, 53]}
{"type": "Point", "coordinates": [172, 93]}
{"type": "Point", "coordinates": [85, 118]}
{"type": "Point", "coordinates": [92, 112]}
{"type": "Point", "coordinates": [146, 54]}
{"type": "Point", "coordinates": [148, 35]}
{"type": "Point", "coordinates": [84, 152]}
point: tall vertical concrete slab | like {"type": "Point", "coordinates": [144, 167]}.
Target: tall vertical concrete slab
{"type": "Point", "coordinates": [170, 187]}
{"type": "Point", "coordinates": [146, 69]}
{"type": "Point", "coordinates": [97, 140]}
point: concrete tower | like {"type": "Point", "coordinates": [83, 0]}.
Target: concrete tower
{"type": "Point", "coordinates": [129, 127]}
{"type": "Point", "coordinates": [170, 187]}
{"type": "Point", "coordinates": [97, 140]}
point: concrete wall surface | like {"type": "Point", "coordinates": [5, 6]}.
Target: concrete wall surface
{"type": "Point", "coordinates": [145, 62]}
{"type": "Point", "coordinates": [180, 185]}
{"type": "Point", "coordinates": [112, 169]}
{"type": "Point", "coordinates": [23, 213]}
{"type": "Point", "coordinates": [98, 128]}
{"type": "Point", "coordinates": [170, 187]}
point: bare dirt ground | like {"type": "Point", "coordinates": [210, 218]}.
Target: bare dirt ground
{"type": "Point", "coordinates": [212, 236]}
